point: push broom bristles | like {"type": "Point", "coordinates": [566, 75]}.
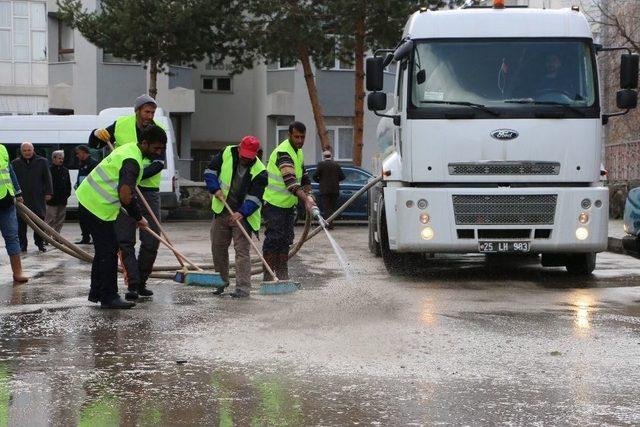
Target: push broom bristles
{"type": "Point", "coordinates": [199, 278]}
{"type": "Point", "coordinates": [278, 287]}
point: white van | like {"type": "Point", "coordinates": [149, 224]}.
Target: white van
{"type": "Point", "coordinates": [50, 133]}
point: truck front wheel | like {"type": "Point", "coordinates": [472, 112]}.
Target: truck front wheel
{"type": "Point", "coordinates": [581, 264]}
{"type": "Point", "coordinates": [396, 263]}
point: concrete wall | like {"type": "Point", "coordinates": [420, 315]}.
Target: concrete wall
{"type": "Point", "coordinates": [181, 77]}
{"type": "Point", "coordinates": [336, 91]}
{"type": "Point", "coordinates": [129, 79]}
{"type": "Point", "coordinates": [280, 80]}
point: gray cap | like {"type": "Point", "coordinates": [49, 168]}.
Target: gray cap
{"type": "Point", "coordinates": [143, 99]}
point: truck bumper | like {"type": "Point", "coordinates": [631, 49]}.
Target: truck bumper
{"type": "Point", "coordinates": [460, 218]}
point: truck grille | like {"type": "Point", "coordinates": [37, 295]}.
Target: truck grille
{"type": "Point", "coordinates": [505, 168]}
{"type": "Point", "coordinates": [504, 209]}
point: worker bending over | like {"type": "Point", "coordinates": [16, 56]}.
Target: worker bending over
{"type": "Point", "coordinates": [126, 130]}
{"type": "Point", "coordinates": [238, 176]}
{"type": "Point", "coordinates": [110, 186]}
{"type": "Point", "coordinates": [288, 184]}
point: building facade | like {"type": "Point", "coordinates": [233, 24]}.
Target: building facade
{"type": "Point", "coordinates": [23, 57]}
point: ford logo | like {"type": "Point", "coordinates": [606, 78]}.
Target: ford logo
{"type": "Point", "coordinates": [504, 134]}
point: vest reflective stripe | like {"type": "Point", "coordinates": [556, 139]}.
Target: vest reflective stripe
{"type": "Point", "coordinates": [226, 175]}
{"type": "Point", "coordinates": [277, 193]}
{"type": "Point", "coordinates": [125, 133]}
{"type": "Point", "coordinates": [98, 193]}
{"type": "Point", "coordinates": [6, 185]}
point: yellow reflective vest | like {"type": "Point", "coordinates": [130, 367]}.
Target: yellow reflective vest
{"type": "Point", "coordinates": [226, 175]}
{"type": "Point", "coordinates": [6, 186]}
{"type": "Point", "coordinates": [276, 193]}
{"type": "Point", "coordinates": [125, 133]}
{"type": "Point", "coordinates": [98, 193]}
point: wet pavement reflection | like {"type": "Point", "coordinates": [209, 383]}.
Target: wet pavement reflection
{"type": "Point", "coordinates": [461, 340]}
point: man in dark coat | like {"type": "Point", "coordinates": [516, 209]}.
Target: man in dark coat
{"type": "Point", "coordinates": [35, 180]}
{"type": "Point", "coordinates": [86, 163]}
{"type": "Point", "coordinates": [328, 174]}
{"type": "Point", "coordinates": [57, 206]}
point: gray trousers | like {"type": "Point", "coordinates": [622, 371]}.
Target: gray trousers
{"type": "Point", "coordinates": [221, 235]}
{"type": "Point", "coordinates": [55, 217]}
{"type": "Point", "coordinates": [138, 269]}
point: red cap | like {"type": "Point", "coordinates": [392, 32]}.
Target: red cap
{"type": "Point", "coordinates": [249, 147]}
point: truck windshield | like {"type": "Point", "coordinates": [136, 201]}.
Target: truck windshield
{"type": "Point", "coordinates": [506, 77]}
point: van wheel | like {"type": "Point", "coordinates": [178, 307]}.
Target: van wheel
{"type": "Point", "coordinates": [581, 264]}
{"type": "Point", "coordinates": [395, 263]}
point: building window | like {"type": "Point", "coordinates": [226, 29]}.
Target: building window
{"type": "Point", "coordinates": [110, 58]}
{"type": "Point", "coordinates": [282, 133]}
{"type": "Point", "coordinates": [335, 61]}
{"type": "Point", "coordinates": [216, 84]}
{"type": "Point", "coordinates": [23, 31]}
{"type": "Point", "coordinates": [285, 63]}
{"type": "Point", "coordinates": [66, 51]}
{"type": "Point", "coordinates": [341, 139]}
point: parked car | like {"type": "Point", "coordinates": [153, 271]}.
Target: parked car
{"type": "Point", "coordinates": [355, 179]}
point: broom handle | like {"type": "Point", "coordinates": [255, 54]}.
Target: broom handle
{"type": "Point", "coordinates": [264, 262]}
{"type": "Point", "coordinates": [148, 208]}
{"type": "Point", "coordinates": [177, 253]}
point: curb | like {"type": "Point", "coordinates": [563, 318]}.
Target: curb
{"type": "Point", "coordinates": [615, 245]}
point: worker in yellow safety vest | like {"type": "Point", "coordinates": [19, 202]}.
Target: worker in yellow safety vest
{"type": "Point", "coordinates": [108, 188]}
{"type": "Point", "coordinates": [237, 176]}
{"type": "Point", "coordinates": [126, 130]}
{"type": "Point", "coordinates": [9, 193]}
{"type": "Point", "coordinates": [288, 184]}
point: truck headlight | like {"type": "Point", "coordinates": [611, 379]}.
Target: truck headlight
{"type": "Point", "coordinates": [427, 233]}
{"type": "Point", "coordinates": [424, 218]}
{"type": "Point", "coordinates": [582, 233]}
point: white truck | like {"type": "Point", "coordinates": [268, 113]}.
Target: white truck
{"type": "Point", "coordinates": [497, 137]}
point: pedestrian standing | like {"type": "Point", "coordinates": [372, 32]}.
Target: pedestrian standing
{"type": "Point", "coordinates": [9, 192]}
{"type": "Point", "coordinates": [35, 181]}
{"type": "Point", "coordinates": [85, 165]}
{"type": "Point", "coordinates": [238, 177]}
{"type": "Point", "coordinates": [110, 186]}
{"type": "Point", "coordinates": [126, 130]}
{"type": "Point", "coordinates": [328, 174]}
{"type": "Point", "coordinates": [288, 184]}
{"type": "Point", "coordinates": [61, 182]}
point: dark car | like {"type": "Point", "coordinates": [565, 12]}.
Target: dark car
{"type": "Point", "coordinates": [355, 179]}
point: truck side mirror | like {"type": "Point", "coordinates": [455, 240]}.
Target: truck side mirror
{"type": "Point", "coordinates": [627, 99]}
{"type": "Point", "coordinates": [377, 101]}
{"type": "Point", "coordinates": [375, 73]}
{"type": "Point", "coordinates": [629, 71]}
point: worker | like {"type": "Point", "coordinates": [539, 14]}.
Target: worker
{"type": "Point", "coordinates": [109, 187]}
{"type": "Point", "coordinates": [288, 184]}
{"type": "Point", "coordinates": [238, 176]}
{"type": "Point", "coordinates": [125, 130]}
{"type": "Point", "coordinates": [10, 190]}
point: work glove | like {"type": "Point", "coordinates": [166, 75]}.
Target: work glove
{"type": "Point", "coordinates": [102, 134]}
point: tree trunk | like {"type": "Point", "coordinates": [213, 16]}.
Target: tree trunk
{"type": "Point", "coordinates": [358, 119]}
{"type": "Point", "coordinates": [303, 54]}
{"type": "Point", "coordinates": [153, 78]}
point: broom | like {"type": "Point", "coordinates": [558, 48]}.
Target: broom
{"type": "Point", "coordinates": [275, 286]}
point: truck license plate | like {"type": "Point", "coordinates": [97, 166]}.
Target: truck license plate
{"type": "Point", "coordinates": [489, 247]}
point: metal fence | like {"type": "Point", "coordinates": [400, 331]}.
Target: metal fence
{"type": "Point", "coordinates": [622, 160]}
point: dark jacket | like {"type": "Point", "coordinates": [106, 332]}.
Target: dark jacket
{"type": "Point", "coordinates": [35, 180]}
{"type": "Point", "coordinates": [329, 174]}
{"type": "Point", "coordinates": [84, 169]}
{"type": "Point", "coordinates": [61, 185]}
{"type": "Point", "coordinates": [249, 187]}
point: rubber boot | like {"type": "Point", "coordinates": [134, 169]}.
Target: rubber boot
{"type": "Point", "coordinates": [16, 267]}
{"type": "Point", "coordinates": [282, 266]}
{"type": "Point", "coordinates": [272, 261]}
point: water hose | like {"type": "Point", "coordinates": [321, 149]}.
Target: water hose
{"type": "Point", "coordinates": [167, 272]}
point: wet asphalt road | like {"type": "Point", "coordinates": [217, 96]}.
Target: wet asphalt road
{"type": "Point", "coordinates": [462, 341]}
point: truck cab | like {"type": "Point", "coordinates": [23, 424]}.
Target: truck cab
{"type": "Point", "coordinates": [497, 137]}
